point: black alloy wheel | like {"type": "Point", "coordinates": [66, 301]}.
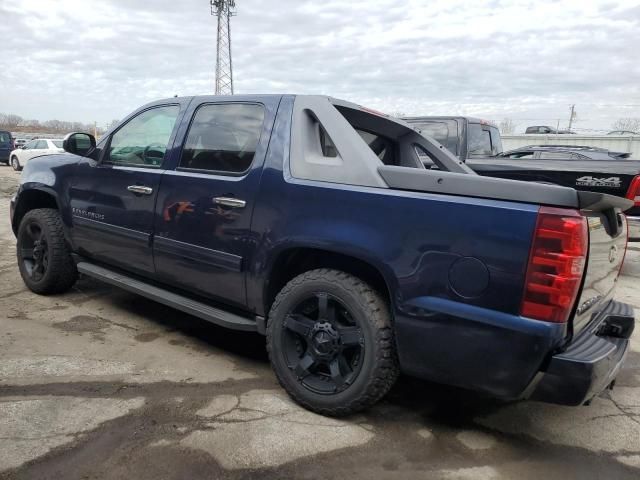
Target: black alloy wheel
{"type": "Point", "coordinates": [330, 342]}
{"type": "Point", "coordinates": [322, 344]}
{"type": "Point", "coordinates": [34, 251]}
{"type": "Point", "coordinates": [43, 255]}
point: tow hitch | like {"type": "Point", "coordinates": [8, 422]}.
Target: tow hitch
{"type": "Point", "coordinates": [617, 327]}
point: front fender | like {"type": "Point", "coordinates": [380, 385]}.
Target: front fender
{"type": "Point", "coordinates": [44, 183]}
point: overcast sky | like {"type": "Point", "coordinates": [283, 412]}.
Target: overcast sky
{"type": "Point", "coordinates": [98, 60]}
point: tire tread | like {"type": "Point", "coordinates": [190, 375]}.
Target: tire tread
{"type": "Point", "coordinates": [385, 370]}
{"type": "Point", "coordinates": [63, 272]}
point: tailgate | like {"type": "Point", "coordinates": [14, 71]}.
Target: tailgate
{"type": "Point", "coordinates": [612, 177]}
{"type": "Point", "coordinates": [607, 246]}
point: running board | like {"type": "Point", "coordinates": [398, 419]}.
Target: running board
{"type": "Point", "coordinates": [173, 300]}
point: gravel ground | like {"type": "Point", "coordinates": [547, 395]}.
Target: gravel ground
{"type": "Point", "coordinates": [99, 383]}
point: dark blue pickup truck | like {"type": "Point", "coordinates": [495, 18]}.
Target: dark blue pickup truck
{"type": "Point", "coordinates": [314, 221]}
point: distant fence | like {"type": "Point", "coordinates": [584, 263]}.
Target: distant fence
{"type": "Point", "coordinates": [616, 143]}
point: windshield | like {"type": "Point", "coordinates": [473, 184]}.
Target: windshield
{"type": "Point", "coordinates": [484, 140]}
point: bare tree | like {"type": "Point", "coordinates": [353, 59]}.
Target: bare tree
{"type": "Point", "coordinates": [628, 124]}
{"type": "Point", "coordinates": [12, 120]}
{"type": "Point", "coordinates": [16, 123]}
{"type": "Point", "coordinates": [33, 123]}
{"type": "Point", "coordinates": [507, 127]}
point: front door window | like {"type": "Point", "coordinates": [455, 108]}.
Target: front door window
{"type": "Point", "coordinates": [143, 140]}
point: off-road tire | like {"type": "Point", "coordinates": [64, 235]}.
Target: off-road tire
{"type": "Point", "coordinates": [61, 272]}
{"type": "Point", "coordinates": [379, 369]}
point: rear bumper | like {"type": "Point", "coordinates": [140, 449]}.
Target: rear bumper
{"type": "Point", "coordinates": [472, 347]}
{"type": "Point", "coordinates": [511, 357]}
{"type": "Point", "coordinates": [634, 228]}
{"type": "Point", "coordinates": [591, 362]}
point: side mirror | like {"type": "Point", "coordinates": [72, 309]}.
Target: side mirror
{"type": "Point", "coordinates": [79, 143]}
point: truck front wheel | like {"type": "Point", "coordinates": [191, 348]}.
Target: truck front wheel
{"type": "Point", "coordinates": [330, 342]}
{"type": "Point", "coordinates": [44, 258]}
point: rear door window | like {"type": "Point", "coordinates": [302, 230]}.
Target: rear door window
{"type": "Point", "coordinates": [223, 138]}
{"type": "Point", "coordinates": [5, 137]}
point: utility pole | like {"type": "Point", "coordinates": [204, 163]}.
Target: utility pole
{"type": "Point", "coordinates": [572, 117]}
{"type": "Point", "coordinates": [224, 10]}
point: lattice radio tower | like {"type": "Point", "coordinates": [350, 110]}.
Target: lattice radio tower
{"type": "Point", "coordinates": [224, 10]}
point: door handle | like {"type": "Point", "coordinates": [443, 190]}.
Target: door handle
{"type": "Point", "coordinates": [140, 189]}
{"type": "Point", "coordinates": [230, 202]}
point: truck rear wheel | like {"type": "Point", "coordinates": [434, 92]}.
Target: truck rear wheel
{"type": "Point", "coordinates": [44, 258]}
{"type": "Point", "coordinates": [330, 342]}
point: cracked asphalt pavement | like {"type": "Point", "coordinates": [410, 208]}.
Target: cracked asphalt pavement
{"type": "Point", "coordinates": [99, 383]}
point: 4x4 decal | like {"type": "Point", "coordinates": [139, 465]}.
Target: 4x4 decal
{"type": "Point", "coordinates": [589, 181]}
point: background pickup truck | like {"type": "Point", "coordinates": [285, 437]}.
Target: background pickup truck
{"type": "Point", "coordinates": [465, 137]}
{"type": "Point", "coordinates": [314, 221]}
{"type": "Point", "coordinates": [478, 144]}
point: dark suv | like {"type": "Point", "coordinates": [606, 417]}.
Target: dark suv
{"type": "Point", "coordinates": [6, 146]}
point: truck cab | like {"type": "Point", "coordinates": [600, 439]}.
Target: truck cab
{"type": "Point", "coordinates": [465, 137]}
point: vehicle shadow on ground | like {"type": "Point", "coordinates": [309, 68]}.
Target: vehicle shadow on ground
{"type": "Point", "coordinates": [447, 406]}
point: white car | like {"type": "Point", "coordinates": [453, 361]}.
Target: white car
{"type": "Point", "coordinates": [34, 148]}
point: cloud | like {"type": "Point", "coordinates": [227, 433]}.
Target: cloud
{"type": "Point", "coordinates": [84, 60]}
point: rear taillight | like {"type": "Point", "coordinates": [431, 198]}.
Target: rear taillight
{"type": "Point", "coordinates": [556, 264]}
{"type": "Point", "coordinates": [633, 193]}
